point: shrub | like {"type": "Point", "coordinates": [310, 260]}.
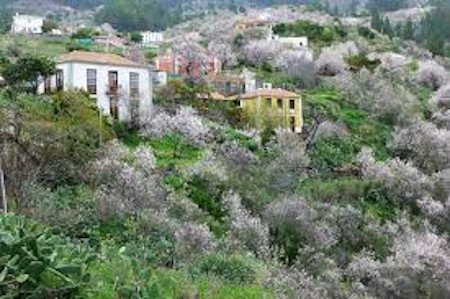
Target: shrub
{"type": "Point", "coordinates": [405, 183]}
{"type": "Point", "coordinates": [69, 209]}
{"type": "Point", "coordinates": [125, 180]}
{"type": "Point", "coordinates": [330, 63]}
{"type": "Point", "coordinates": [192, 239]}
{"type": "Point", "coordinates": [332, 153]}
{"type": "Point", "coordinates": [173, 149]}
{"type": "Point", "coordinates": [432, 75]}
{"type": "Point", "coordinates": [418, 266]}
{"type": "Point", "coordinates": [360, 61]}
{"type": "Point", "coordinates": [186, 122]}
{"type": "Point", "coordinates": [294, 224]}
{"type": "Point", "coordinates": [316, 33]}
{"type": "Point", "coordinates": [425, 144]}
{"type": "Point", "coordinates": [233, 269]}
{"type": "Point", "coordinates": [246, 230]}
{"type": "Point", "coordinates": [339, 190]}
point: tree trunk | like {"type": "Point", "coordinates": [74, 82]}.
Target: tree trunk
{"type": "Point", "coordinates": [3, 190]}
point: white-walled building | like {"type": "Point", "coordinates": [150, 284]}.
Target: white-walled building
{"type": "Point", "coordinates": [149, 37]}
{"type": "Point", "coordinates": [160, 78]}
{"type": "Point", "coordinates": [121, 88]}
{"type": "Point", "coordinates": [294, 41]}
{"type": "Point", "coordinates": [27, 24]}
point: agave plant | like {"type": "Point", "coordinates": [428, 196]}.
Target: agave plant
{"type": "Point", "coordinates": [34, 263]}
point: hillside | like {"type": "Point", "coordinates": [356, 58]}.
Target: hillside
{"type": "Point", "coordinates": [206, 199]}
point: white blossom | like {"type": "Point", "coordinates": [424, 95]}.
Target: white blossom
{"type": "Point", "coordinates": [427, 145]}
{"type": "Point", "coordinates": [193, 239]}
{"type": "Point", "coordinates": [186, 122]}
{"type": "Point", "coordinates": [246, 229]}
{"type": "Point", "coordinates": [125, 180]}
{"type": "Point", "coordinates": [431, 74]}
{"type": "Point", "coordinates": [260, 51]}
{"type": "Point", "coordinates": [330, 63]}
{"type": "Point", "coordinates": [402, 179]}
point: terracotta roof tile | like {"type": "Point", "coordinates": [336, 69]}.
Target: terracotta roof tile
{"type": "Point", "coordinates": [272, 93]}
{"type": "Point", "coordinates": [214, 96]}
{"type": "Point", "coordinates": [97, 58]}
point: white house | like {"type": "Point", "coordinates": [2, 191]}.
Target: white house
{"type": "Point", "coordinates": [160, 78]}
{"type": "Point", "coordinates": [295, 42]}
{"type": "Point", "coordinates": [121, 88]}
{"type": "Point", "coordinates": [27, 24]}
{"type": "Point", "coordinates": [149, 37]}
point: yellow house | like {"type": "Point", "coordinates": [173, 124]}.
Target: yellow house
{"type": "Point", "coordinates": [272, 108]}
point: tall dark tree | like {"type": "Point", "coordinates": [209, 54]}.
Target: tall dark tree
{"type": "Point", "coordinates": [27, 73]}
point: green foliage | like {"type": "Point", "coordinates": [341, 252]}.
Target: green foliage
{"type": "Point", "coordinates": [151, 55]}
{"type": "Point", "coordinates": [70, 210]}
{"type": "Point", "coordinates": [432, 32]}
{"type": "Point", "coordinates": [27, 72]}
{"type": "Point", "coordinates": [325, 103]}
{"type": "Point", "coordinates": [316, 33]}
{"type": "Point", "coordinates": [207, 197]}
{"type": "Point", "coordinates": [229, 134]}
{"type": "Point", "coordinates": [178, 92]}
{"type": "Point", "coordinates": [173, 150]}
{"type": "Point", "coordinates": [122, 276]}
{"type": "Point", "coordinates": [359, 61]}
{"type": "Point", "coordinates": [276, 78]}
{"type": "Point", "coordinates": [386, 5]}
{"type": "Point", "coordinates": [339, 190]}
{"type": "Point", "coordinates": [175, 181]}
{"type": "Point", "coordinates": [234, 269]}
{"type": "Point", "coordinates": [60, 133]}
{"type": "Point", "coordinates": [140, 15]}
{"type": "Point", "coordinates": [136, 37]}
{"type": "Point", "coordinates": [84, 33]}
{"type": "Point", "coordinates": [36, 264]}
{"type": "Point", "coordinates": [81, 3]}
{"type": "Point", "coordinates": [332, 153]}
{"type": "Point", "coordinates": [49, 25]}
{"type": "Point", "coordinates": [366, 32]}
{"type": "Point", "coordinates": [5, 16]}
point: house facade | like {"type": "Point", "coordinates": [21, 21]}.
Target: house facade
{"type": "Point", "coordinates": [176, 64]}
{"type": "Point", "coordinates": [149, 37]}
{"type": "Point", "coordinates": [26, 24]}
{"type": "Point", "coordinates": [272, 108]}
{"type": "Point", "coordinates": [295, 42]}
{"type": "Point", "coordinates": [231, 84]}
{"type": "Point", "coordinates": [121, 88]}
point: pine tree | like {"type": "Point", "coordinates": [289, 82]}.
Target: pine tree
{"type": "Point", "coordinates": [387, 28]}
{"type": "Point", "coordinates": [377, 21]}
{"type": "Point", "coordinates": [408, 30]}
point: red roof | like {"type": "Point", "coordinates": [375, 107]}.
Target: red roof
{"type": "Point", "coordinates": [98, 58]}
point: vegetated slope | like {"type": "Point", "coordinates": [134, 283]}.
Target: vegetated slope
{"type": "Point", "coordinates": [195, 204]}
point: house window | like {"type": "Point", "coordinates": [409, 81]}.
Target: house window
{"type": "Point", "coordinates": [292, 123]}
{"type": "Point", "coordinates": [113, 80]}
{"type": "Point", "coordinates": [228, 87]}
{"type": "Point", "coordinates": [92, 81]}
{"type": "Point", "coordinates": [292, 104]}
{"type": "Point", "coordinates": [134, 85]}
{"type": "Point", "coordinates": [280, 103]}
{"type": "Point", "coordinates": [48, 85]}
{"type": "Point", "coordinates": [269, 102]}
{"type": "Point", "coordinates": [59, 80]}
